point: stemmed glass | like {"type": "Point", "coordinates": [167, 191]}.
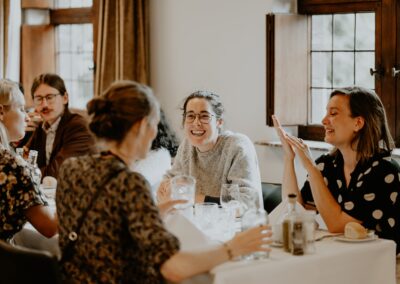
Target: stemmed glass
{"type": "Point", "coordinates": [231, 198]}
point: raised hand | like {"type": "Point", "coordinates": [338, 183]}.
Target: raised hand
{"type": "Point", "coordinates": [302, 151]}
{"type": "Point", "coordinates": [287, 148]}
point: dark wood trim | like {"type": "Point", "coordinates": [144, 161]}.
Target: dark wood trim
{"type": "Point", "coordinates": [270, 74]}
{"type": "Point", "coordinates": [71, 16]}
{"type": "Point", "coordinates": [397, 81]}
{"type": "Point", "coordinates": [311, 132]}
{"type": "Point", "coordinates": [335, 6]}
{"type": "Point", "coordinates": [95, 21]}
{"type": "Point", "coordinates": [389, 35]}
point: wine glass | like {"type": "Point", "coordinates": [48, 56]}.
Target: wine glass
{"type": "Point", "coordinates": [253, 218]}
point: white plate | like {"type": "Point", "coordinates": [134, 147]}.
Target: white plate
{"type": "Point", "coordinates": [367, 239]}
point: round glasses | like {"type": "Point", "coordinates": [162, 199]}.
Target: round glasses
{"type": "Point", "coordinates": [50, 98]}
{"type": "Point", "coordinates": [205, 117]}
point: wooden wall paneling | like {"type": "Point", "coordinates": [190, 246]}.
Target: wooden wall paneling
{"type": "Point", "coordinates": [290, 68]}
{"type": "Point", "coordinates": [37, 54]}
{"type": "Point", "coordinates": [71, 16]}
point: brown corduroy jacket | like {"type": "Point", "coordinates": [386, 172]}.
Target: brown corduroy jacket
{"type": "Point", "coordinates": [72, 139]}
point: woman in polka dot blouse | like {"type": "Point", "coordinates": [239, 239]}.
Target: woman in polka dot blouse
{"type": "Point", "coordinates": [358, 180]}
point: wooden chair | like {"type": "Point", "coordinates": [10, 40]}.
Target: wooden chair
{"type": "Point", "coordinates": [23, 265]}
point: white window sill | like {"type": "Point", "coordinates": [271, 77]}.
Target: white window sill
{"type": "Point", "coordinates": [314, 145]}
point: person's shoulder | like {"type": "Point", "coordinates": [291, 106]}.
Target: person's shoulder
{"type": "Point", "coordinates": [235, 137]}
{"type": "Point", "coordinates": [385, 160]}
{"type": "Point", "coordinates": [73, 119]}
{"type": "Point", "coordinates": [8, 158]}
{"type": "Point", "coordinates": [77, 163]}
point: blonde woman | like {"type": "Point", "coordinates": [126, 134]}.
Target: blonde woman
{"type": "Point", "coordinates": [20, 198]}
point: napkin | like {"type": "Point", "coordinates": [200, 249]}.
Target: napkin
{"type": "Point", "coordinates": [280, 210]}
{"type": "Point", "coordinates": [190, 237]}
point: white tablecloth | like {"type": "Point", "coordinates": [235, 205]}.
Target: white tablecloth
{"type": "Point", "coordinates": [334, 262]}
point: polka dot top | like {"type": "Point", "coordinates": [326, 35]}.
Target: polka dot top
{"type": "Point", "coordinates": [372, 195]}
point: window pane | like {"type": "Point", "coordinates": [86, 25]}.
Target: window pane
{"type": "Point", "coordinates": [64, 38]}
{"type": "Point", "coordinates": [343, 32]}
{"type": "Point", "coordinates": [365, 61]}
{"type": "Point", "coordinates": [343, 69]}
{"type": "Point", "coordinates": [321, 32]}
{"type": "Point", "coordinates": [75, 61]}
{"type": "Point", "coordinates": [365, 31]}
{"type": "Point", "coordinates": [73, 3]}
{"type": "Point", "coordinates": [319, 100]}
{"type": "Point", "coordinates": [321, 69]}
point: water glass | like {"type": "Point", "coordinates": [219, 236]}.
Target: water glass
{"type": "Point", "coordinates": [309, 230]}
{"type": "Point", "coordinates": [205, 216]}
{"type": "Point", "coordinates": [183, 187]}
{"type": "Point", "coordinates": [254, 218]}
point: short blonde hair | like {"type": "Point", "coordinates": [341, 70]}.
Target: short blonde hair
{"type": "Point", "coordinates": [9, 94]}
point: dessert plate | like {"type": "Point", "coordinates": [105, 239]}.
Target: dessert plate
{"type": "Point", "coordinates": [367, 239]}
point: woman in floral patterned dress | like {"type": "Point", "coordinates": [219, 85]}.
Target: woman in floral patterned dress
{"type": "Point", "coordinates": [20, 198]}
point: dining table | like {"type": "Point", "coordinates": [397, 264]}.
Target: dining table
{"type": "Point", "coordinates": [334, 260]}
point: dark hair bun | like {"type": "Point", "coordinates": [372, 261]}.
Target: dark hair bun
{"type": "Point", "coordinates": [104, 123]}
{"type": "Point", "coordinates": [98, 106]}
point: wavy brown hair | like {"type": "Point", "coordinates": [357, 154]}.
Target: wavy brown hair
{"type": "Point", "coordinates": [375, 136]}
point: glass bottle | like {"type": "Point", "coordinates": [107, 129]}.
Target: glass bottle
{"type": "Point", "coordinates": [36, 173]}
{"type": "Point", "coordinates": [287, 224]}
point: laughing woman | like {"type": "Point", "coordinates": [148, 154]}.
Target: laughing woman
{"type": "Point", "coordinates": [358, 181]}
{"type": "Point", "coordinates": [20, 198]}
{"type": "Point", "coordinates": [213, 156]}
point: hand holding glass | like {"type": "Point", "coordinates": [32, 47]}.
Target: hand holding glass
{"type": "Point", "coordinates": [183, 187]}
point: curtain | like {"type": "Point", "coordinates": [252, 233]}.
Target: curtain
{"type": "Point", "coordinates": [122, 42]}
{"type": "Point", "coordinates": [10, 37]}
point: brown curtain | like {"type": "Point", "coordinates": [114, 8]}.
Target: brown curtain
{"type": "Point", "coordinates": [122, 42]}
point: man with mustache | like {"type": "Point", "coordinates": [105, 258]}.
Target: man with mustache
{"type": "Point", "coordinates": [58, 133]}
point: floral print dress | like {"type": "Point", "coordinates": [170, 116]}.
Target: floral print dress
{"type": "Point", "coordinates": [17, 193]}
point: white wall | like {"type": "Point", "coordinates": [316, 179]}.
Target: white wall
{"type": "Point", "coordinates": [217, 45]}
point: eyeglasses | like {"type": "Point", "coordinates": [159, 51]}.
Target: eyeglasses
{"type": "Point", "coordinates": [204, 117]}
{"type": "Point", "coordinates": [50, 98]}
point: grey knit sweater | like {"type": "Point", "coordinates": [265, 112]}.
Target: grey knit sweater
{"type": "Point", "coordinates": [232, 160]}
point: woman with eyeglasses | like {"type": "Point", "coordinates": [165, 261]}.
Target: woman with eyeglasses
{"type": "Point", "coordinates": [58, 133]}
{"type": "Point", "coordinates": [20, 198]}
{"type": "Point", "coordinates": [211, 155]}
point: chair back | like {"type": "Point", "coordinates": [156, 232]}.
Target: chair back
{"type": "Point", "coordinates": [23, 265]}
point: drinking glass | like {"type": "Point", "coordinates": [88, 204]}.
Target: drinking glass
{"type": "Point", "coordinates": [205, 215]}
{"type": "Point", "coordinates": [231, 198]}
{"type": "Point", "coordinates": [309, 230]}
{"type": "Point", "coordinates": [254, 218]}
{"type": "Point", "coordinates": [183, 187]}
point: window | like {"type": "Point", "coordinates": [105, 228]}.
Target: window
{"type": "Point", "coordinates": [60, 39]}
{"type": "Point", "coordinates": [346, 40]}
{"type": "Point", "coordinates": [342, 53]}
{"type": "Point", "coordinates": [74, 53]}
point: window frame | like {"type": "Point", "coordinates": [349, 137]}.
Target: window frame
{"type": "Point", "coordinates": [387, 56]}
